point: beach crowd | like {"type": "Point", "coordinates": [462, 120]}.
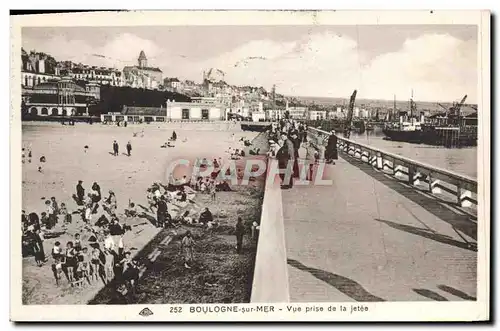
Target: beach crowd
{"type": "Point", "coordinates": [97, 250]}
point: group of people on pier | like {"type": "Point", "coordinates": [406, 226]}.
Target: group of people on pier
{"type": "Point", "coordinates": [286, 137]}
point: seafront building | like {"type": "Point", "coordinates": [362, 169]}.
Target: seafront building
{"type": "Point", "coordinates": [83, 72]}
{"type": "Point", "coordinates": [201, 109]}
{"type": "Point", "coordinates": [37, 68]}
{"type": "Point", "coordinates": [60, 98]}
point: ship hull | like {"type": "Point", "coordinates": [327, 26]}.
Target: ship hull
{"type": "Point", "coordinates": [404, 136]}
{"type": "Point", "coordinates": [255, 127]}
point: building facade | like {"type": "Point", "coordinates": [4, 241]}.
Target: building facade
{"type": "Point", "coordinates": [37, 68]}
{"type": "Point", "coordinates": [317, 114]}
{"type": "Point", "coordinates": [175, 111]}
{"type": "Point", "coordinates": [143, 76]}
{"type": "Point", "coordinates": [297, 112]}
{"type": "Point", "coordinates": [60, 98]}
{"type": "Point", "coordinates": [195, 111]}
{"type": "Point", "coordinates": [99, 75]}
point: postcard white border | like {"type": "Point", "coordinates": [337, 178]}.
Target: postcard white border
{"type": "Point", "coordinates": [386, 311]}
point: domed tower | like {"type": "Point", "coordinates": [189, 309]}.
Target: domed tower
{"type": "Point", "coordinates": [143, 60]}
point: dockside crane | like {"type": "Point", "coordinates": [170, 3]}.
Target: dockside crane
{"type": "Point", "coordinates": [350, 111]}
{"type": "Point", "coordinates": [455, 109]}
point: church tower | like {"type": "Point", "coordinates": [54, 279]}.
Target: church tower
{"type": "Point", "coordinates": [143, 61]}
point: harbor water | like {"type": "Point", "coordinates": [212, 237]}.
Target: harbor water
{"type": "Point", "coordinates": [460, 160]}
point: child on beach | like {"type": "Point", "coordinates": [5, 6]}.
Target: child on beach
{"type": "Point", "coordinates": [77, 243]}
{"type": "Point", "coordinates": [57, 269]}
{"type": "Point", "coordinates": [54, 205]}
{"type": "Point", "coordinates": [187, 244]}
{"type": "Point", "coordinates": [51, 217]}
{"type": "Point", "coordinates": [70, 261]}
{"type": "Point", "coordinates": [57, 251]}
{"type": "Point", "coordinates": [131, 211]}
{"type": "Point", "coordinates": [96, 263]}
{"type": "Point", "coordinates": [212, 191]}
{"type": "Point", "coordinates": [83, 268]}
{"type": "Point", "coordinates": [63, 211]}
{"type": "Point", "coordinates": [109, 265]}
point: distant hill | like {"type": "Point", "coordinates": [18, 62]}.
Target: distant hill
{"type": "Point", "coordinates": [113, 99]}
{"type": "Point", "coordinates": [382, 104]}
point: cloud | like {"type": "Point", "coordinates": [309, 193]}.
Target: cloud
{"type": "Point", "coordinates": [119, 51]}
{"type": "Point", "coordinates": [436, 67]}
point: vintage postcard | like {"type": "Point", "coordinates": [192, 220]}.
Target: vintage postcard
{"type": "Point", "coordinates": [250, 166]}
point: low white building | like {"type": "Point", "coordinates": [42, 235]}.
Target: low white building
{"type": "Point", "coordinates": [258, 116]}
{"type": "Point", "coordinates": [297, 112]}
{"type": "Point", "coordinates": [274, 114]}
{"type": "Point", "coordinates": [317, 114]}
{"type": "Point", "coordinates": [356, 112]}
{"type": "Point", "coordinates": [195, 111]}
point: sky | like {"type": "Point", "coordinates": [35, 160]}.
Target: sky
{"type": "Point", "coordinates": [437, 62]}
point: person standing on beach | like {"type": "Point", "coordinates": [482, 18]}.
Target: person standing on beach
{"type": "Point", "coordinates": [161, 212]}
{"type": "Point", "coordinates": [80, 193]}
{"type": "Point", "coordinates": [187, 244]}
{"type": "Point", "coordinates": [239, 232]}
{"type": "Point", "coordinates": [129, 147]}
{"type": "Point", "coordinates": [115, 148]}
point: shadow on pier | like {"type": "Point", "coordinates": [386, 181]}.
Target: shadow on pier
{"type": "Point", "coordinates": [438, 297]}
{"type": "Point", "coordinates": [341, 283]}
{"type": "Point", "coordinates": [462, 223]}
{"type": "Point", "coordinates": [430, 234]}
{"type": "Point", "coordinates": [430, 294]}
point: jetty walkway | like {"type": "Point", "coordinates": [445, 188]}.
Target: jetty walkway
{"type": "Point", "coordinates": [387, 229]}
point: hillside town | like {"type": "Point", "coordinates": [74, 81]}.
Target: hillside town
{"type": "Point", "coordinates": [53, 87]}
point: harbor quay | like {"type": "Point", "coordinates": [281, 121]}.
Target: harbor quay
{"type": "Point", "coordinates": [388, 228]}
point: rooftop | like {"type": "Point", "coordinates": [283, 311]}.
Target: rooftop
{"type": "Point", "coordinates": [142, 68]}
{"type": "Point", "coordinates": [144, 111]}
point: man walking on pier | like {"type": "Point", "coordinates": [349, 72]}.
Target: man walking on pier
{"type": "Point", "coordinates": [285, 155]}
{"type": "Point", "coordinates": [331, 148]}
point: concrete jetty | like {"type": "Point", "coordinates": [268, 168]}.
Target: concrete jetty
{"type": "Point", "coordinates": [370, 237]}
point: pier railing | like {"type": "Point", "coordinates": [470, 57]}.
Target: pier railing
{"type": "Point", "coordinates": [460, 188]}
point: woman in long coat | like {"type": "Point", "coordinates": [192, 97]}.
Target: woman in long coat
{"type": "Point", "coordinates": [331, 148]}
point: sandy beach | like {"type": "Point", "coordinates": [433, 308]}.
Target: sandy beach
{"type": "Point", "coordinates": [67, 161]}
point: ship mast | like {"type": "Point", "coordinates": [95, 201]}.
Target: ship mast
{"type": "Point", "coordinates": [411, 104]}
{"type": "Point", "coordinates": [394, 109]}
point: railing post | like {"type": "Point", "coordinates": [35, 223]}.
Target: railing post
{"type": "Point", "coordinates": [416, 180]}
{"type": "Point", "coordinates": [357, 152]}
{"type": "Point", "coordinates": [435, 189]}
{"type": "Point", "coordinates": [380, 161]}
{"type": "Point", "coordinates": [411, 174]}
{"type": "Point", "coordinates": [463, 196]}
